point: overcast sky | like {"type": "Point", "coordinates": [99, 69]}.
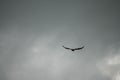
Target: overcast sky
{"type": "Point", "coordinates": [32, 33]}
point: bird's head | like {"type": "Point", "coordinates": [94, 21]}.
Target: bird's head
{"type": "Point", "coordinates": [72, 49]}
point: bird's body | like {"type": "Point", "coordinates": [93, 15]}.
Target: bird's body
{"type": "Point", "coordinates": [73, 49]}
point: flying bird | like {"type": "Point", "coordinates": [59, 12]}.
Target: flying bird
{"type": "Point", "coordinates": [73, 49]}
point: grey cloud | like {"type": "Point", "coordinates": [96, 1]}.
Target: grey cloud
{"type": "Point", "coordinates": [32, 34]}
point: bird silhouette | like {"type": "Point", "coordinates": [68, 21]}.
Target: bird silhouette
{"type": "Point", "coordinates": [74, 48]}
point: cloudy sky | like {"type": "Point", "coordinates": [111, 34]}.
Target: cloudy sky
{"type": "Point", "coordinates": [32, 33]}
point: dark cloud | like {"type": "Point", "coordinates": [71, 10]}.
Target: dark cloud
{"type": "Point", "coordinates": [32, 34]}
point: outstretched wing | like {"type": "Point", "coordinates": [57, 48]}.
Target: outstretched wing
{"type": "Point", "coordinates": [79, 48]}
{"type": "Point", "coordinates": [65, 47]}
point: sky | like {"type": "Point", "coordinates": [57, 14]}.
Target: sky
{"type": "Point", "coordinates": [32, 33]}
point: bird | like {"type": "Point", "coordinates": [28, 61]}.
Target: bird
{"type": "Point", "coordinates": [74, 48]}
